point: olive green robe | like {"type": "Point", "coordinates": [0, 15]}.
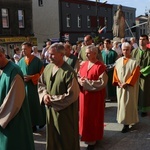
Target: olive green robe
{"type": "Point", "coordinates": [15, 121]}
{"type": "Point", "coordinates": [143, 58]}
{"type": "Point", "coordinates": [62, 115]}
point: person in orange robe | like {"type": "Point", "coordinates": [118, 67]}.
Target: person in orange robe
{"type": "Point", "coordinates": [92, 79]}
{"type": "Point", "coordinates": [125, 77]}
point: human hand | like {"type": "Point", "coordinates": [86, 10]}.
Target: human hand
{"type": "Point", "coordinates": [27, 78]}
{"type": "Point", "coordinates": [47, 100]}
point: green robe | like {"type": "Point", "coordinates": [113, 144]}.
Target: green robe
{"type": "Point", "coordinates": [17, 133]}
{"type": "Point", "coordinates": [38, 113]}
{"type": "Point", "coordinates": [143, 58]}
{"type": "Point", "coordinates": [109, 59]}
{"type": "Point", "coordinates": [62, 116]}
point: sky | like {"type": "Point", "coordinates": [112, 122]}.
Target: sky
{"type": "Point", "coordinates": [140, 5]}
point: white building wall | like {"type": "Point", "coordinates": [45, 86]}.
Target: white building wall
{"type": "Point", "coordinates": [45, 21]}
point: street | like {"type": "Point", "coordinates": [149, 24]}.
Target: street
{"type": "Point", "coordinates": [137, 139]}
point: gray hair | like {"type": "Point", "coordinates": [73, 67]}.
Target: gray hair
{"type": "Point", "coordinates": [2, 50]}
{"type": "Point", "coordinates": [92, 48]}
{"type": "Point", "coordinates": [126, 44]}
{"type": "Point", "coordinates": [58, 47]}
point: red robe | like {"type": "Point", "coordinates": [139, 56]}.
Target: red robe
{"type": "Point", "coordinates": [91, 114]}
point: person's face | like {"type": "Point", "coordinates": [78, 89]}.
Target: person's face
{"type": "Point", "coordinates": [126, 50]}
{"type": "Point", "coordinates": [107, 45]}
{"type": "Point", "coordinates": [101, 47]}
{"type": "Point", "coordinates": [143, 41]}
{"type": "Point", "coordinates": [67, 50]}
{"type": "Point", "coordinates": [87, 41]}
{"type": "Point", "coordinates": [26, 50]}
{"type": "Point", "coordinates": [55, 57]}
{"type": "Point", "coordinates": [89, 54]}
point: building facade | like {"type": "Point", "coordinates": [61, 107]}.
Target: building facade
{"type": "Point", "coordinates": [15, 24]}
{"type": "Point", "coordinates": [73, 19]}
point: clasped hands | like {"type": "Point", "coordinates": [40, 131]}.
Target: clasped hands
{"type": "Point", "coordinates": [122, 85]}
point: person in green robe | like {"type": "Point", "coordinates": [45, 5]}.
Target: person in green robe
{"type": "Point", "coordinates": [109, 58]}
{"type": "Point", "coordinates": [15, 121]}
{"type": "Point", "coordinates": [71, 59]}
{"type": "Point", "coordinates": [142, 55]}
{"type": "Point", "coordinates": [58, 90]}
{"type": "Point", "coordinates": [32, 67]}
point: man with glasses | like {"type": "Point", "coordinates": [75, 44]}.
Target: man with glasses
{"type": "Point", "coordinates": [87, 41]}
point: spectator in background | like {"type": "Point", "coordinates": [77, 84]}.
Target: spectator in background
{"type": "Point", "coordinates": [15, 121]}
{"type": "Point", "coordinates": [35, 52]}
{"type": "Point", "coordinates": [133, 43]}
{"type": "Point", "coordinates": [117, 48]}
{"type": "Point", "coordinates": [125, 77]}
{"type": "Point", "coordinates": [82, 55]}
{"type": "Point", "coordinates": [71, 59]}
{"type": "Point", "coordinates": [44, 54]}
{"type": "Point", "coordinates": [17, 55]}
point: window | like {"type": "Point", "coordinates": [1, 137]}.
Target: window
{"type": "Point", "coordinates": [21, 18]}
{"type": "Point", "coordinates": [79, 5]}
{"type": "Point", "coordinates": [68, 19]}
{"type": "Point", "coordinates": [79, 21]}
{"type": "Point", "coordinates": [67, 5]}
{"type": "Point", "coordinates": [88, 22]}
{"type": "Point", "coordinates": [88, 7]}
{"type": "Point", "coordinates": [5, 18]}
{"type": "Point", "coordinates": [40, 3]}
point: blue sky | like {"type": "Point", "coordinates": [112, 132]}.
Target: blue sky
{"type": "Point", "coordinates": [140, 5]}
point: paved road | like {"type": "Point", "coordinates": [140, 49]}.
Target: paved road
{"type": "Point", "coordinates": [137, 139]}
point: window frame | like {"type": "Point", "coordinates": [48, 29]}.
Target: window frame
{"type": "Point", "coordinates": [5, 18]}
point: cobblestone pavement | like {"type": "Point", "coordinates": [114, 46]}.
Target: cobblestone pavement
{"type": "Point", "coordinates": [137, 139]}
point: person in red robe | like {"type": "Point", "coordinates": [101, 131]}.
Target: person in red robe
{"type": "Point", "coordinates": [92, 79]}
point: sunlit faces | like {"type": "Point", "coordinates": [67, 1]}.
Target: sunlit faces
{"type": "Point", "coordinates": [143, 41]}
{"type": "Point", "coordinates": [26, 50]}
{"type": "Point", "coordinates": [55, 57]}
{"type": "Point", "coordinates": [126, 50]}
{"type": "Point", "coordinates": [90, 54]}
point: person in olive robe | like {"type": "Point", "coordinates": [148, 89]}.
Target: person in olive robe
{"type": "Point", "coordinates": [71, 59]}
{"type": "Point", "coordinates": [15, 121]}
{"type": "Point", "coordinates": [125, 77]}
{"type": "Point", "coordinates": [58, 90]}
{"type": "Point", "coordinates": [32, 67]}
{"type": "Point", "coordinates": [142, 55]}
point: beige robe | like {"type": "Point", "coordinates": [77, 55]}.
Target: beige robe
{"type": "Point", "coordinates": [127, 112]}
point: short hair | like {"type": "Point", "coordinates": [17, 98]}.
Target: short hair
{"type": "Point", "coordinates": [144, 35]}
{"type": "Point", "coordinates": [68, 46]}
{"type": "Point", "coordinates": [16, 49]}
{"type": "Point", "coordinates": [27, 43]}
{"type": "Point", "coordinates": [127, 44]}
{"type": "Point", "coordinates": [34, 47]}
{"type": "Point", "coordinates": [58, 47]}
{"type": "Point", "coordinates": [92, 48]}
{"type": "Point", "coordinates": [108, 41]}
{"type": "Point", "coordinates": [89, 37]}
{"type": "Point", "coordinates": [2, 50]}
